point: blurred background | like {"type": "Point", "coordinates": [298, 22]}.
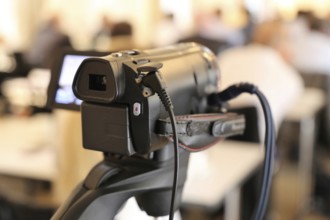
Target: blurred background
{"type": "Point", "coordinates": [281, 46]}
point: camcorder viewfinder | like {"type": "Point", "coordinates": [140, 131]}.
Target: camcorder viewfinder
{"type": "Point", "coordinates": [119, 113]}
{"type": "Point", "coordinates": [66, 63]}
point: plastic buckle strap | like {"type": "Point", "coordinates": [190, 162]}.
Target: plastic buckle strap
{"type": "Point", "coordinates": [216, 124]}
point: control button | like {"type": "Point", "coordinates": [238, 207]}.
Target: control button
{"type": "Point", "coordinates": [118, 54]}
{"type": "Point", "coordinates": [141, 61]}
{"type": "Point", "coordinates": [137, 109]}
{"type": "Point", "coordinates": [131, 52]}
{"type": "Point", "coordinates": [150, 67]}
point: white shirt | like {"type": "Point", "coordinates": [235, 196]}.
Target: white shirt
{"type": "Point", "coordinates": [310, 52]}
{"type": "Point", "coordinates": [264, 67]}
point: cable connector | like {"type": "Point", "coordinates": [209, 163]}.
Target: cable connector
{"type": "Point", "coordinates": [217, 99]}
{"type": "Point", "coordinates": [156, 83]}
{"type": "Point", "coordinates": [230, 93]}
{"type": "Point", "coordinates": [153, 80]}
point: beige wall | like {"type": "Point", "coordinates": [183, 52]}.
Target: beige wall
{"type": "Point", "coordinates": [20, 18]}
{"type": "Point", "coordinates": [73, 161]}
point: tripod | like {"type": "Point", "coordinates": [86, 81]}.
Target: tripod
{"type": "Point", "coordinates": [117, 178]}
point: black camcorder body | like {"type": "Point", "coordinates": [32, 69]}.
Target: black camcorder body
{"type": "Point", "coordinates": [119, 113]}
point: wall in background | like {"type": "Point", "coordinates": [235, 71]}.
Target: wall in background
{"type": "Point", "coordinates": [21, 18]}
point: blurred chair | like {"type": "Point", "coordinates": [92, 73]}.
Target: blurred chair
{"type": "Point", "coordinates": [298, 155]}
{"type": "Point", "coordinates": [290, 102]}
{"type": "Point", "coordinates": [27, 95]}
{"type": "Point", "coordinates": [320, 172]}
{"type": "Point", "coordinates": [122, 36]}
{"type": "Point", "coordinates": [48, 40]}
{"type": "Point", "coordinates": [321, 81]}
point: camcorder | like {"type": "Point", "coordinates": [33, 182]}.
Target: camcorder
{"type": "Point", "coordinates": [120, 114]}
{"type": "Point", "coordinates": [122, 117]}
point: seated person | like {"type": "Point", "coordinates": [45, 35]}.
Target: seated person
{"type": "Point", "coordinates": [213, 26]}
{"type": "Point", "coordinates": [307, 48]}
{"type": "Point", "coordinates": [122, 36]}
{"type": "Point", "coordinates": [7, 62]}
{"type": "Point", "coordinates": [11, 64]}
{"type": "Point", "coordinates": [264, 67]}
{"type": "Point", "coordinates": [113, 36]}
{"type": "Point", "coordinates": [48, 40]}
{"type": "Point", "coordinates": [166, 32]}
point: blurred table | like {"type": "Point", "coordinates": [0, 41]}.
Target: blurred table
{"type": "Point", "coordinates": [296, 169]}
{"type": "Point", "coordinates": [27, 147]}
{"type": "Point", "coordinates": [216, 175]}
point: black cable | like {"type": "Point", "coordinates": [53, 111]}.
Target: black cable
{"type": "Point", "coordinates": [154, 81]}
{"type": "Point", "coordinates": [176, 163]}
{"type": "Point", "coordinates": [232, 92]}
{"type": "Point", "coordinates": [269, 158]}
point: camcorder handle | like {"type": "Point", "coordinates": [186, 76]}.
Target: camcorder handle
{"type": "Point", "coordinates": [198, 132]}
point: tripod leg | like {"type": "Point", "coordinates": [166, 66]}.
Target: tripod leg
{"type": "Point", "coordinates": [105, 207]}
{"type": "Point", "coordinates": [87, 204]}
{"type": "Point", "coordinates": [111, 183]}
{"type": "Point", "coordinates": [131, 210]}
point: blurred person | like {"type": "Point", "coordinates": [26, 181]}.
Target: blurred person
{"type": "Point", "coordinates": [113, 36]}
{"type": "Point", "coordinates": [48, 40]}
{"type": "Point", "coordinates": [307, 48]}
{"type": "Point", "coordinates": [249, 26]}
{"type": "Point", "coordinates": [7, 70]}
{"type": "Point", "coordinates": [102, 37]}
{"type": "Point", "coordinates": [166, 32]}
{"type": "Point", "coordinates": [326, 25]}
{"type": "Point", "coordinates": [122, 36]}
{"type": "Point", "coordinates": [264, 67]}
{"type": "Point", "coordinates": [262, 62]}
{"type": "Point", "coordinates": [269, 33]}
{"type": "Point", "coordinates": [212, 26]}
{"type": "Point", "coordinates": [210, 32]}
{"type": "Point", "coordinates": [11, 66]}
{"type": "Point", "coordinates": [21, 95]}
{"type": "Point", "coordinates": [7, 62]}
